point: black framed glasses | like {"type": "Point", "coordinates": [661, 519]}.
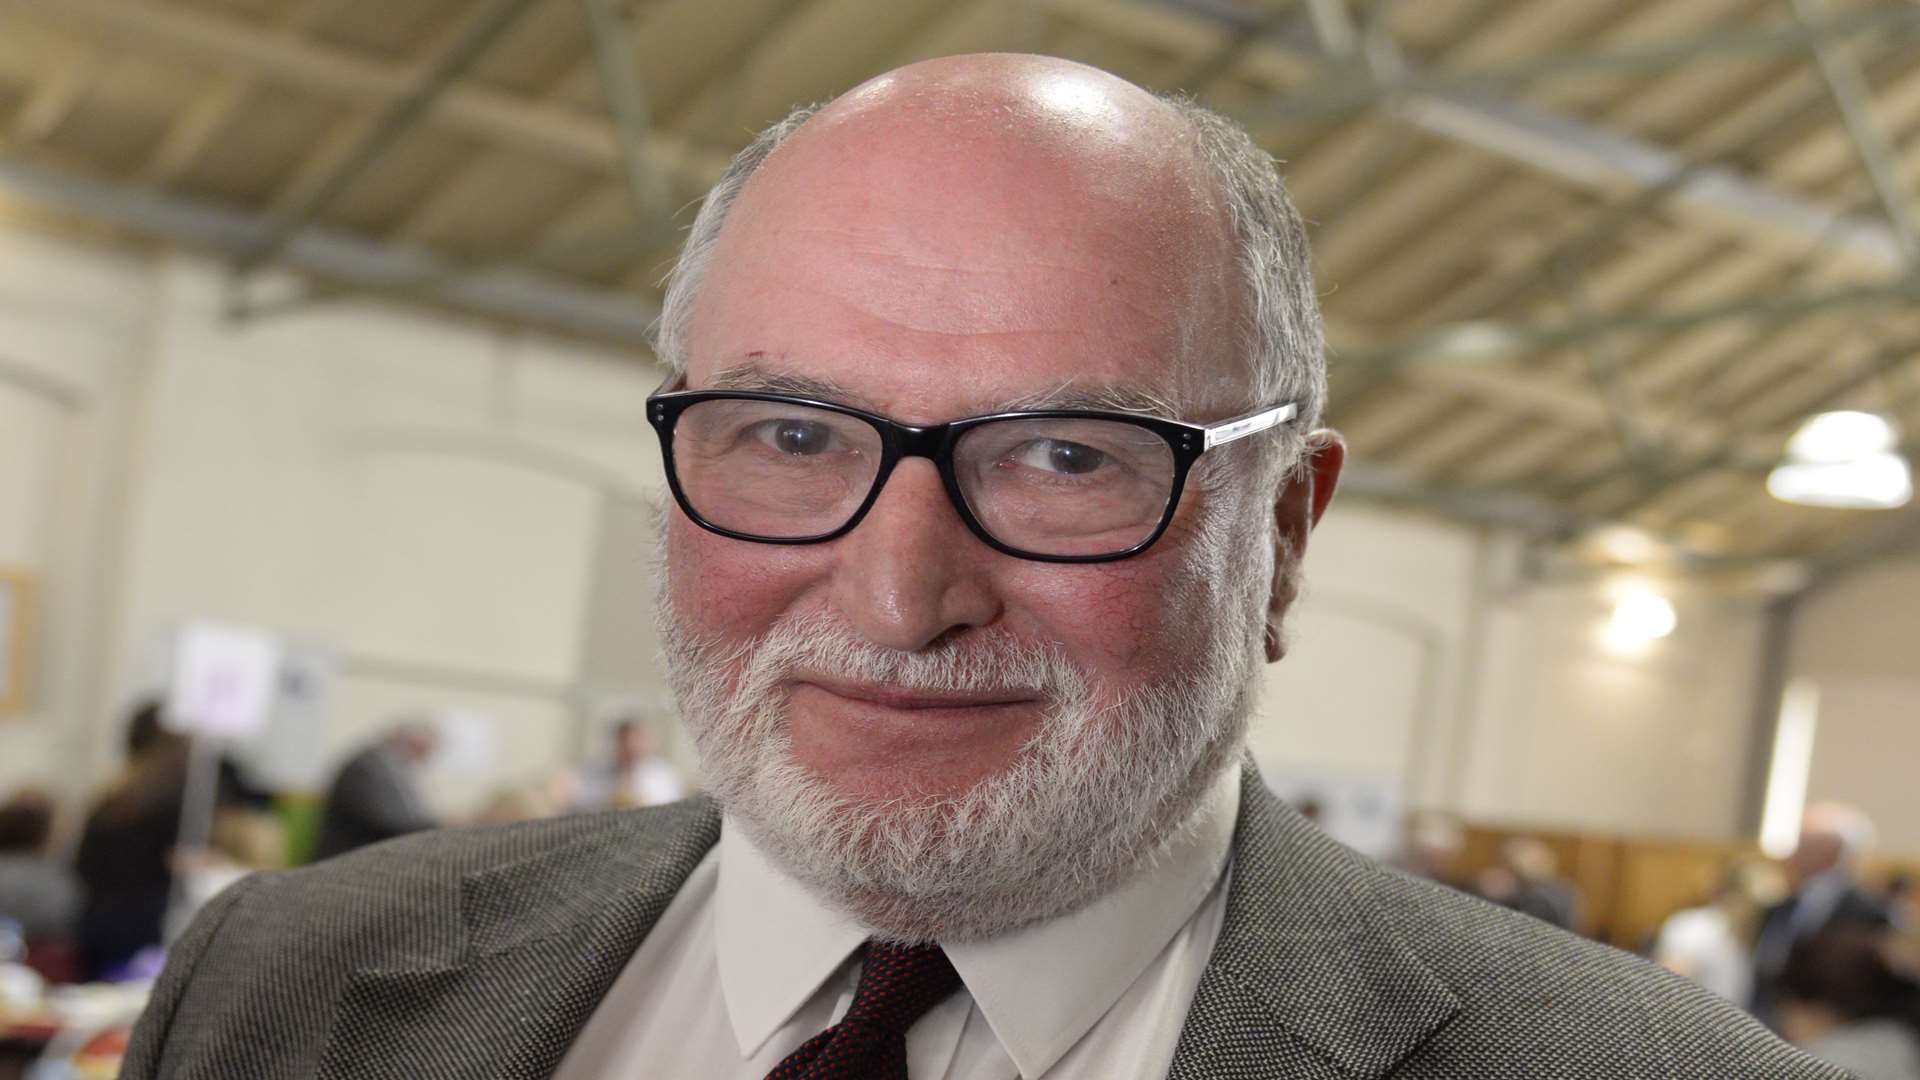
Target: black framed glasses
{"type": "Point", "coordinates": [1055, 485]}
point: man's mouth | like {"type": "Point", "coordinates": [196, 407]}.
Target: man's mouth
{"type": "Point", "coordinates": [897, 697]}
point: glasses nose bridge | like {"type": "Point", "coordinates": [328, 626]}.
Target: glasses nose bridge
{"type": "Point", "coordinates": [919, 440]}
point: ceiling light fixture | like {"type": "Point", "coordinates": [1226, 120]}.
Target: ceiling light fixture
{"type": "Point", "coordinates": [1640, 617]}
{"type": "Point", "coordinates": [1844, 460]}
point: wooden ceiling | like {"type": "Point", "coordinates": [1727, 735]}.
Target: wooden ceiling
{"type": "Point", "coordinates": [1584, 261]}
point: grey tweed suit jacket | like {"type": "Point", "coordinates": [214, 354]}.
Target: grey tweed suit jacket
{"type": "Point", "coordinates": [480, 953]}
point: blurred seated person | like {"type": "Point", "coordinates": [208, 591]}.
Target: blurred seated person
{"type": "Point", "coordinates": [1527, 880]}
{"type": "Point", "coordinates": [125, 859]}
{"type": "Point", "coordinates": [635, 775]}
{"type": "Point", "coordinates": [376, 795]}
{"type": "Point", "coordinates": [1823, 892]}
{"type": "Point", "coordinates": [1843, 999]}
{"type": "Point", "coordinates": [1712, 944]}
{"type": "Point", "coordinates": [36, 891]}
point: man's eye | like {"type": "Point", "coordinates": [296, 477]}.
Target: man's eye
{"type": "Point", "coordinates": [1060, 456]}
{"type": "Point", "coordinates": [799, 438]}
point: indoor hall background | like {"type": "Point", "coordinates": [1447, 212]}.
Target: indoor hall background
{"type": "Point", "coordinates": [329, 317]}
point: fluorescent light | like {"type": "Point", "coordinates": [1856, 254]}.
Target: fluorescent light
{"type": "Point", "coordinates": [1876, 481]}
{"type": "Point", "coordinates": [1629, 546]}
{"type": "Point", "coordinates": [1792, 764]}
{"type": "Point", "coordinates": [1640, 617]}
{"type": "Point", "coordinates": [1836, 437]}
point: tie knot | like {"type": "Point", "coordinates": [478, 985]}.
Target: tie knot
{"type": "Point", "coordinates": [899, 983]}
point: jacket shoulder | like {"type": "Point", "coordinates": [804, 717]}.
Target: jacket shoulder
{"type": "Point", "coordinates": [1538, 1001]}
{"type": "Point", "coordinates": [274, 952]}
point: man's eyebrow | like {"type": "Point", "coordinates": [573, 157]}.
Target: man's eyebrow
{"type": "Point", "coordinates": [1108, 398]}
{"type": "Point", "coordinates": [751, 376]}
{"type": "Point", "coordinates": [1128, 399]}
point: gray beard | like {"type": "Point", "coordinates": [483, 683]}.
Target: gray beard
{"type": "Point", "coordinates": [1094, 795]}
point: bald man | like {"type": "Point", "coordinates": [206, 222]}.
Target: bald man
{"type": "Point", "coordinates": [990, 434]}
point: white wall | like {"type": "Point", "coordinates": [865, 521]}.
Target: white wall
{"type": "Point", "coordinates": [1378, 647]}
{"type": "Point", "coordinates": [419, 494]}
{"type": "Point", "coordinates": [460, 514]}
{"type": "Point", "coordinates": [1856, 639]}
{"type": "Point", "coordinates": [1653, 744]}
{"type": "Point", "coordinates": [1421, 660]}
{"type": "Point", "coordinates": [74, 323]}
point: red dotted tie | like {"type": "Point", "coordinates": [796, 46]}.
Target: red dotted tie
{"type": "Point", "coordinates": [898, 984]}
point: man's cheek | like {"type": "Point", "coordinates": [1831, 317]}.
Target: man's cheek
{"type": "Point", "coordinates": [728, 587]}
{"type": "Point", "coordinates": [1114, 620]}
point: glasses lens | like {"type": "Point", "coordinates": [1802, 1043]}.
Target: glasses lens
{"type": "Point", "coordinates": [1065, 486]}
{"type": "Point", "coordinates": [773, 469]}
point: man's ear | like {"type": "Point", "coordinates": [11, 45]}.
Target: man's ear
{"type": "Point", "coordinates": [1297, 508]}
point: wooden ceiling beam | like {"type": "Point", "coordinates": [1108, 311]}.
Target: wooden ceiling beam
{"type": "Point", "coordinates": [491, 116]}
{"type": "Point", "coordinates": [53, 100]}
{"type": "Point", "coordinates": [216, 104]}
{"type": "Point", "coordinates": [1717, 199]}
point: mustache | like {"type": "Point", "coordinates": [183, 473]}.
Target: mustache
{"type": "Point", "coordinates": [980, 661]}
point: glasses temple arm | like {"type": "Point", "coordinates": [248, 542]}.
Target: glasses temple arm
{"type": "Point", "coordinates": [1251, 423]}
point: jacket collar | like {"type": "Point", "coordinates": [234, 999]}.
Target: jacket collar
{"type": "Point", "coordinates": [539, 941]}
{"type": "Point", "coordinates": [1308, 977]}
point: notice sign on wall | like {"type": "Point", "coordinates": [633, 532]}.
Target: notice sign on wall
{"type": "Point", "coordinates": [224, 679]}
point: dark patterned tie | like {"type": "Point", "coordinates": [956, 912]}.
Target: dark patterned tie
{"type": "Point", "coordinates": [898, 984]}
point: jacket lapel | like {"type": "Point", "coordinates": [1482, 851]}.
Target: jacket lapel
{"type": "Point", "coordinates": [1308, 980]}
{"type": "Point", "coordinates": [540, 945]}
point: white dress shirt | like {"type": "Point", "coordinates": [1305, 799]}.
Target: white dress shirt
{"type": "Point", "coordinates": [746, 964]}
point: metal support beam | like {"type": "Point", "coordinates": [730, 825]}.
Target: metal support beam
{"type": "Point", "coordinates": [627, 100]}
{"type": "Point", "coordinates": [506, 120]}
{"type": "Point", "coordinates": [516, 295]}
{"type": "Point", "coordinates": [1333, 25]}
{"type": "Point", "coordinates": [1468, 340]}
{"type": "Point", "coordinates": [1852, 95]}
{"type": "Point", "coordinates": [1589, 157]}
{"type": "Point", "coordinates": [1592, 158]}
{"type": "Point", "coordinates": [1357, 91]}
{"type": "Point", "coordinates": [398, 117]}
{"type": "Point", "coordinates": [1733, 450]}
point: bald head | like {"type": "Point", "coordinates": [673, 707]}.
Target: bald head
{"type": "Point", "coordinates": [981, 162]}
{"type": "Point", "coordinates": [1082, 192]}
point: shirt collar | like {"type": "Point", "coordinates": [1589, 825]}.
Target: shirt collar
{"type": "Point", "coordinates": [1040, 988]}
{"type": "Point", "coordinates": [775, 941]}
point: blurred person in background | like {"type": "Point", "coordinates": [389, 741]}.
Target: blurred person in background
{"type": "Point", "coordinates": [1433, 846]}
{"type": "Point", "coordinates": [37, 892]}
{"type": "Point", "coordinates": [1823, 892]}
{"type": "Point", "coordinates": [125, 858]}
{"type": "Point", "coordinates": [127, 847]}
{"type": "Point", "coordinates": [377, 795]}
{"type": "Point", "coordinates": [1528, 880]}
{"type": "Point", "coordinates": [1843, 999]}
{"type": "Point", "coordinates": [635, 774]}
{"type": "Point", "coordinates": [1712, 944]}
{"type": "Point", "coordinates": [1903, 899]}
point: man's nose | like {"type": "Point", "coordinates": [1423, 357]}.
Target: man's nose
{"type": "Point", "coordinates": [910, 572]}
